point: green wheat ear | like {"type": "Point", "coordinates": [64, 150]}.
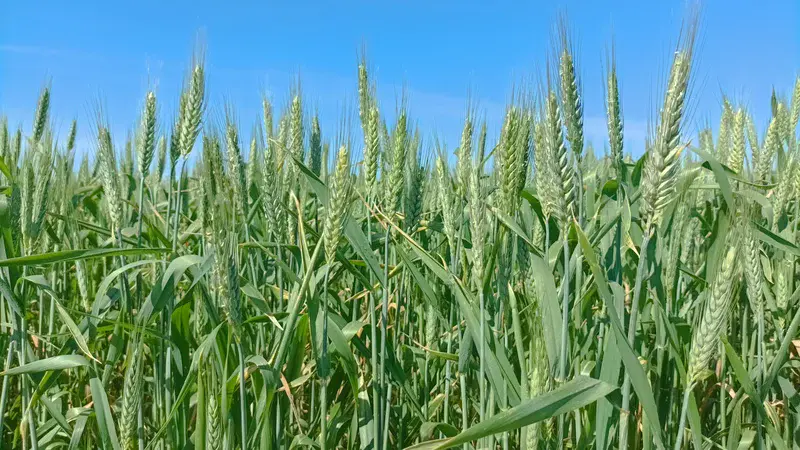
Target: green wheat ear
{"type": "Point", "coordinates": [415, 185]}
{"type": "Point", "coordinates": [296, 135]}
{"type": "Point", "coordinates": [146, 137]}
{"type": "Point", "coordinates": [371, 150]}
{"type": "Point", "coordinates": [562, 173]}
{"type": "Point", "coordinates": [705, 340]}
{"type": "Point", "coordinates": [782, 290]}
{"type": "Point", "coordinates": [571, 99]}
{"type": "Point", "coordinates": [364, 101]}
{"type": "Point", "coordinates": [73, 131]}
{"type": "Point", "coordinates": [253, 165]}
{"type": "Point", "coordinates": [394, 194]}
{"type": "Point", "coordinates": [16, 147]}
{"type": "Point", "coordinates": [236, 168]}
{"type": "Point", "coordinates": [281, 144]}
{"type": "Point", "coordinates": [736, 156]}
{"type": "Point", "coordinates": [511, 157]}
{"type": "Point", "coordinates": [215, 182]}
{"type": "Point", "coordinates": [266, 107]}
{"type": "Point", "coordinates": [538, 376]}
{"type": "Point", "coordinates": [431, 325]}
{"type": "Point", "coordinates": [784, 190]}
{"type": "Point", "coordinates": [5, 138]}
{"type": "Point", "coordinates": [214, 427]}
{"type": "Point", "coordinates": [794, 116]}
{"type": "Point", "coordinates": [660, 170]}
{"type": "Point", "coordinates": [481, 156]}
{"type": "Point", "coordinates": [448, 202]}
{"type": "Point", "coordinates": [614, 117]}
{"type": "Point", "coordinates": [477, 222]}
{"type": "Point", "coordinates": [673, 249]}
{"type": "Point", "coordinates": [544, 176]}
{"type": "Point", "coordinates": [131, 393]}
{"type": "Point", "coordinates": [41, 115]}
{"type": "Point", "coordinates": [525, 144]}
{"type": "Point", "coordinates": [315, 147]}
{"type": "Point", "coordinates": [127, 167]}
{"type": "Point", "coordinates": [725, 126]}
{"type": "Point", "coordinates": [191, 110]}
{"type": "Point", "coordinates": [233, 304]}
{"type": "Point", "coordinates": [784, 123]}
{"type": "Point", "coordinates": [294, 145]}
{"type": "Point", "coordinates": [753, 272]}
{"type": "Point", "coordinates": [270, 189]}
{"type": "Point", "coordinates": [752, 135]}
{"type": "Point", "coordinates": [338, 202]}
{"type": "Point", "coordinates": [766, 154]}
{"type": "Point", "coordinates": [464, 158]}
{"type": "Point", "coordinates": [37, 172]}
{"type": "Point", "coordinates": [108, 173]}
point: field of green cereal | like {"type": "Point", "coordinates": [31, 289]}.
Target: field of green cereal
{"type": "Point", "coordinates": [376, 290]}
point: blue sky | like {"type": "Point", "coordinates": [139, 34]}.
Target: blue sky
{"type": "Point", "coordinates": [441, 52]}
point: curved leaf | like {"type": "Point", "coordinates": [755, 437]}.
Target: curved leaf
{"type": "Point", "coordinates": [575, 394]}
{"type": "Point", "coordinates": [60, 362]}
{"type": "Point", "coordinates": [75, 255]}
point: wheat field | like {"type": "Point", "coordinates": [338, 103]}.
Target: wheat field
{"type": "Point", "coordinates": [208, 288]}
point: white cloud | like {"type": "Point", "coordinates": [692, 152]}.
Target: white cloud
{"type": "Point", "coordinates": [28, 50]}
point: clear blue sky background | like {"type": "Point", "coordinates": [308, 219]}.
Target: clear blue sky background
{"type": "Point", "coordinates": [442, 52]}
